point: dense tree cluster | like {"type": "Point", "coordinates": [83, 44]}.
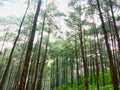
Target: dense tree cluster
{"type": "Point", "coordinates": [84, 55]}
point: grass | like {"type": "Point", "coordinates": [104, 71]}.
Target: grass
{"type": "Point", "coordinates": [108, 85]}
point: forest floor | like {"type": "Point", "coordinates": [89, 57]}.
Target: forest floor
{"type": "Point", "coordinates": [93, 86]}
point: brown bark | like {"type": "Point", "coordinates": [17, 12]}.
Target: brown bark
{"type": "Point", "coordinates": [39, 52]}
{"type": "Point", "coordinates": [72, 75]}
{"type": "Point", "coordinates": [43, 64]}
{"type": "Point", "coordinates": [29, 49]}
{"type": "Point", "coordinates": [84, 60]}
{"type": "Point", "coordinates": [96, 55]}
{"type": "Point", "coordinates": [97, 68]}
{"type": "Point", "coordinates": [112, 67]}
{"type": "Point", "coordinates": [52, 79]}
{"type": "Point", "coordinates": [11, 53]}
{"type": "Point", "coordinates": [77, 64]}
{"type": "Point", "coordinates": [115, 26]}
{"type": "Point", "coordinates": [101, 60]}
{"type": "Point", "coordinates": [57, 76]}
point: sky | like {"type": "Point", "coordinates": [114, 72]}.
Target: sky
{"type": "Point", "coordinates": [17, 8]}
{"type": "Point", "coordinates": [12, 8]}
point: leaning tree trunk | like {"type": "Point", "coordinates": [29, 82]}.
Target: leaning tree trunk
{"type": "Point", "coordinates": [18, 71]}
{"type": "Point", "coordinates": [39, 52]}
{"type": "Point", "coordinates": [115, 26]}
{"type": "Point", "coordinates": [29, 48]}
{"type": "Point", "coordinates": [4, 40]}
{"type": "Point", "coordinates": [11, 53]}
{"type": "Point", "coordinates": [113, 71]}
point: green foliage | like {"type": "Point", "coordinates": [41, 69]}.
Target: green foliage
{"type": "Point", "coordinates": [59, 14]}
{"type": "Point", "coordinates": [107, 78]}
{"type": "Point", "coordinates": [118, 18]}
{"type": "Point", "coordinates": [108, 83]}
{"type": "Point", "coordinates": [72, 2]}
{"type": "Point", "coordinates": [10, 20]}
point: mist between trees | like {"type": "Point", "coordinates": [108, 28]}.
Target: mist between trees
{"type": "Point", "coordinates": [53, 47]}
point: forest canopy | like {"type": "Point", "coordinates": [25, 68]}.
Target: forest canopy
{"type": "Point", "coordinates": [60, 45]}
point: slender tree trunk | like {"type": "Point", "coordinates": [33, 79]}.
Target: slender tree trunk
{"type": "Point", "coordinates": [84, 62]}
{"type": "Point", "coordinates": [18, 72]}
{"type": "Point", "coordinates": [51, 78]}
{"type": "Point", "coordinates": [66, 69]}
{"type": "Point", "coordinates": [11, 53]}
{"type": "Point", "coordinates": [91, 63]}
{"type": "Point", "coordinates": [94, 71]}
{"type": "Point", "coordinates": [57, 76]}
{"type": "Point", "coordinates": [77, 64]}
{"type": "Point", "coordinates": [4, 40]}
{"type": "Point", "coordinates": [101, 60]}
{"type": "Point", "coordinates": [43, 64]}
{"type": "Point", "coordinates": [115, 26]}
{"type": "Point", "coordinates": [63, 71]}
{"type": "Point", "coordinates": [97, 68]}
{"type": "Point", "coordinates": [29, 49]}
{"type": "Point", "coordinates": [1, 65]}
{"type": "Point", "coordinates": [30, 77]}
{"type": "Point", "coordinates": [72, 73]}
{"type": "Point", "coordinates": [39, 52]}
{"type": "Point", "coordinates": [112, 33]}
{"type": "Point", "coordinates": [9, 78]}
{"type": "Point", "coordinates": [91, 71]}
{"type": "Point", "coordinates": [112, 67]}
{"type": "Point", "coordinates": [96, 55]}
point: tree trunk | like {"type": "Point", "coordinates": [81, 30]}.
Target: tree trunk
{"type": "Point", "coordinates": [96, 55]}
{"type": "Point", "coordinates": [43, 64]}
{"type": "Point", "coordinates": [101, 60]}
{"type": "Point", "coordinates": [84, 60]}
{"type": "Point", "coordinates": [57, 76]}
{"type": "Point", "coordinates": [29, 49]}
{"type": "Point", "coordinates": [115, 26]}
{"type": "Point", "coordinates": [77, 64]}
{"type": "Point", "coordinates": [39, 52]}
{"type": "Point", "coordinates": [11, 53]}
{"type": "Point", "coordinates": [18, 72]}
{"type": "Point", "coordinates": [97, 68]}
{"type": "Point", "coordinates": [72, 73]}
{"type": "Point", "coordinates": [112, 67]}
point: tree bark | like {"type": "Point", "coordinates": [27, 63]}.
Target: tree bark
{"type": "Point", "coordinates": [77, 64]}
{"type": "Point", "coordinates": [57, 74]}
{"type": "Point", "coordinates": [115, 26]}
{"type": "Point", "coordinates": [39, 52]}
{"type": "Point", "coordinates": [112, 67]}
{"type": "Point", "coordinates": [72, 73]}
{"type": "Point", "coordinates": [29, 49]}
{"type": "Point", "coordinates": [43, 64]}
{"type": "Point", "coordinates": [84, 60]}
{"type": "Point", "coordinates": [11, 53]}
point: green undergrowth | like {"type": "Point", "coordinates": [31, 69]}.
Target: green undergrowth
{"type": "Point", "coordinates": [93, 86]}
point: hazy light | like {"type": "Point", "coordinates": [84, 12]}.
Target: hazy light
{"type": "Point", "coordinates": [12, 9]}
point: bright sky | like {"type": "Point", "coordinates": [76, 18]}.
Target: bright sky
{"type": "Point", "coordinates": [18, 7]}
{"type": "Point", "coordinates": [12, 8]}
